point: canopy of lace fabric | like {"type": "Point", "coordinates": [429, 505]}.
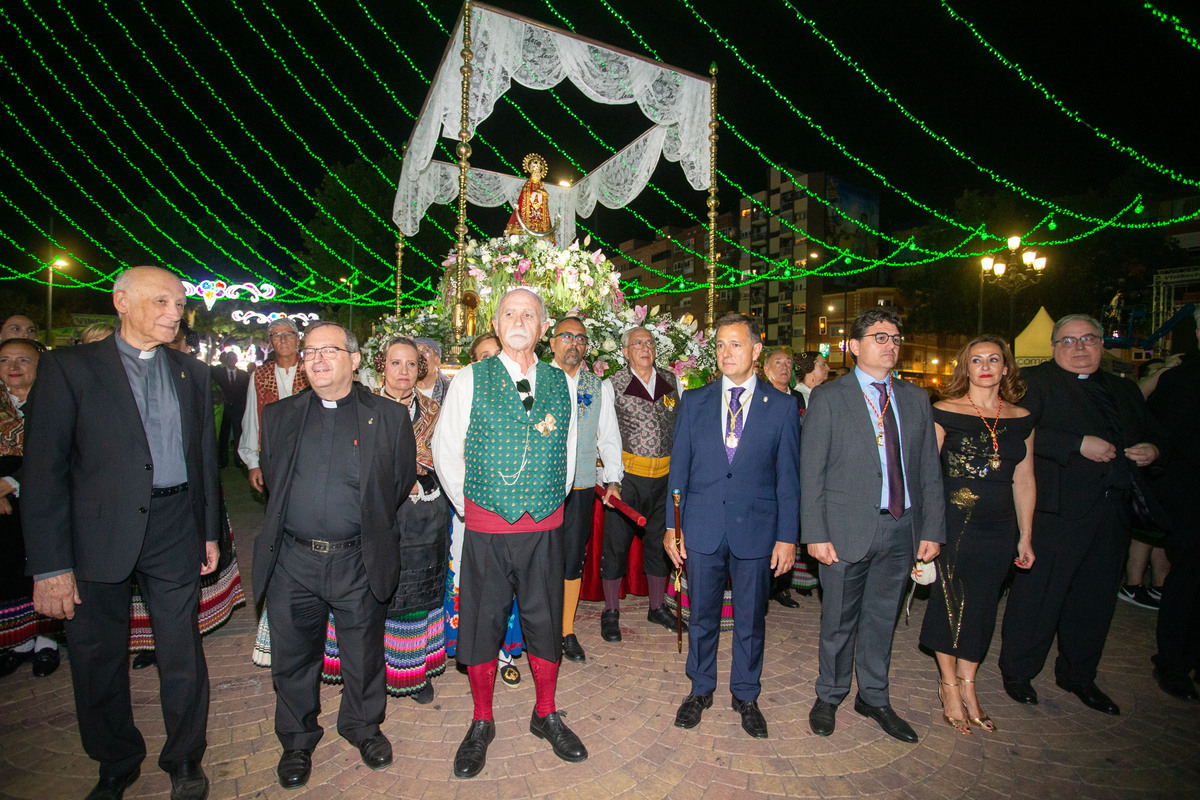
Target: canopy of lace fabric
{"type": "Point", "coordinates": [507, 49]}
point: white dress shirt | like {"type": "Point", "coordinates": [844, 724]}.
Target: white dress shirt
{"type": "Point", "coordinates": [744, 401]}
{"type": "Point", "coordinates": [450, 435]}
{"type": "Point", "coordinates": [285, 379]}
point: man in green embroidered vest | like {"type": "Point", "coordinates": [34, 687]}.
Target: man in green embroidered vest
{"type": "Point", "coordinates": [505, 452]}
{"type": "Point", "coordinates": [600, 436]}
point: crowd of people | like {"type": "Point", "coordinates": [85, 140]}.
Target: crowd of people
{"type": "Point", "coordinates": [436, 516]}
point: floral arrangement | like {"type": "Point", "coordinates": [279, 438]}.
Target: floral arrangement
{"type": "Point", "coordinates": [573, 282]}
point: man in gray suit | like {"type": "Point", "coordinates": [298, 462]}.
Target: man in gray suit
{"type": "Point", "coordinates": [870, 502]}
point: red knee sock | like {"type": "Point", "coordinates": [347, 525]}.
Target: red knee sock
{"type": "Point", "coordinates": [482, 678]}
{"type": "Point", "coordinates": [545, 679]}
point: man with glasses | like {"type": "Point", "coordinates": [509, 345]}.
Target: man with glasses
{"type": "Point", "coordinates": [598, 435]}
{"type": "Point", "coordinates": [267, 386]}
{"type": "Point", "coordinates": [645, 397]}
{"type": "Point", "coordinates": [1093, 432]}
{"type": "Point", "coordinates": [870, 503]}
{"type": "Point", "coordinates": [338, 461]}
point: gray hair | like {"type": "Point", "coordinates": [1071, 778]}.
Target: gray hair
{"type": "Point", "coordinates": [351, 339]}
{"type": "Point", "coordinates": [1069, 318]}
{"type": "Point", "coordinates": [625, 335]}
{"type": "Point", "coordinates": [291, 326]}
{"type": "Point", "coordinates": [538, 297]}
{"type": "Point", "coordinates": [121, 284]}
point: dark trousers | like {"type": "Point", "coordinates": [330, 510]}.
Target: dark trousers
{"type": "Point", "coordinates": [576, 531]}
{"type": "Point", "coordinates": [859, 604]}
{"type": "Point", "coordinates": [1071, 591]}
{"type": "Point", "coordinates": [647, 496]}
{"type": "Point", "coordinates": [168, 572]}
{"type": "Point", "coordinates": [231, 427]}
{"type": "Point", "coordinates": [496, 567]}
{"type": "Point", "coordinates": [750, 579]}
{"type": "Point", "coordinates": [305, 586]}
{"type": "Point", "coordinates": [1179, 612]}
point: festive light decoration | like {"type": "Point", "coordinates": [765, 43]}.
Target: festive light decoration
{"type": "Point", "coordinates": [255, 318]}
{"type": "Point", "coordinates": [1175, 23]}
{"type": "Point", "coordinates": [211, 291]}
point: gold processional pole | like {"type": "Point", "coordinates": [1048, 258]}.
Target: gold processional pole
{"type": "Point", "coordinates": [464, 152]}
{"type": "Point", "coordinates": [712, 199]}
{"type": "Point", "coordinates": [400, 239]}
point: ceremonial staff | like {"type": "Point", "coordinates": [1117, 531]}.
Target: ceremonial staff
{"type": "Point", "coordinates": [618, 504]}
{"type": "Point", "coordinates": [678, 579]}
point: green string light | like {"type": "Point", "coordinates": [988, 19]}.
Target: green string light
{"type": "Point", "coordinates": [1175, 23]}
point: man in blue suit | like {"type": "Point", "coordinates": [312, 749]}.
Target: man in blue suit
{"type": "Point", "coordinates": [735, 463]}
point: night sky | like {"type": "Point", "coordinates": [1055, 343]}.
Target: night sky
{"type": "Point", "coordinates": [1124, 71]}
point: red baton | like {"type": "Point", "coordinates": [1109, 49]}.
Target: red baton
{"type": "Point", "coordinates": [622, 506]}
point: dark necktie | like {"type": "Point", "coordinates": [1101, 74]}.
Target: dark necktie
{"type": "Point", "coordinates": [733, 429]}
{"type": "Point", "coordinates": [891, 446]}
{"type": "Point", "coordinates": [523, 389]}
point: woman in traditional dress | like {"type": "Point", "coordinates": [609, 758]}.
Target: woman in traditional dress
{"type": "Point", "coordinates": [221, 590]}
{"type": "Point", "coordinates": [484, 346]}
{"type": "Point", "coordinates": [24, 634]}
{"type": "Point", "coordinates": [986, 442]}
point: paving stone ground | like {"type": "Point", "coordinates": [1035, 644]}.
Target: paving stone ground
{"type": "Point", "coordinates": [622, 704]}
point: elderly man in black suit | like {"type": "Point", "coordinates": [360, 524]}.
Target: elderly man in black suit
{"type": "Point", "coordinates": [338, 462]}
{"type": "Point", "coordinates": [1093, 432]}
{"type": "Point", "coordinates": [120, 480]}
{"type": "Point", "coordinates": [870, 503]}
{"type": "Point", "coordinates": [234, 383]}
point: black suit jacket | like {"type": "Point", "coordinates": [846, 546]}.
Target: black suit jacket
{"type": "Point", "coordinates": [388, 470]}
{"type": "Point", "coordinates": [1176, 406]}
{"type": "Point", "coordinates": [234, 391]}
{"type": "Point", "coordinates": [1068, 484]}
{"type": "Point", "coordinates": [87, 476]}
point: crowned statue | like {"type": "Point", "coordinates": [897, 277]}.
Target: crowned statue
{"type": "Point", "coordinates": [531, 216]}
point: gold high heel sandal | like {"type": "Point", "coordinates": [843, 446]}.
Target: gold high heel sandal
{"type": "Point", "coordinates": [983, 721]}
{"type": "Point", "coordinates": [959, 724]}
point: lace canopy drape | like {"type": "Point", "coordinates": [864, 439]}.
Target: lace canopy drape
{"type": "Point", "coordinates": [507, 49]}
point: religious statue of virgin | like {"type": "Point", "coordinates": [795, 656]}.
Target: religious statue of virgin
{"type": "Point", "coordinates": [532, 213]}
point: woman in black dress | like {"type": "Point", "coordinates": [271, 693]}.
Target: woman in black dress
{"type": "Point", "coordinates": [986, 442]}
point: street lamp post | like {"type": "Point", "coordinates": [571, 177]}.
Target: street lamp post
{"type": "Point", "coordinates": [59, 263]}
{"type": "Point", "coordinates": [1013, 271]}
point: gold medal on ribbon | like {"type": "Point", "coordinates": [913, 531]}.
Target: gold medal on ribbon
{"type": "Point", "coordinates": [879, 439]}
{"type": "Point", "coordinates": [731, 441]}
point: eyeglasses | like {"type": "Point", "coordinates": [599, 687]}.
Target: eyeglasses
{"type": "Point", "coordinates": [1087, 340]}
{"type": "Point", "coordinates": [572, 338]}
{"type": "Point", "coordinates": [642, 344]}
{"type": "Point", "coordinates": [882, 338]}
{"type": "Point", "coordinates": [282, 335]}
{"type": "Point", "coordinates": [328, 352]}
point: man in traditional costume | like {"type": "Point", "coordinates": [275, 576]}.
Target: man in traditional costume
{"type": "Point", "coordinates": [598, 435]}
{"type": "Point", "coordinates": [267, 386]}
{"type": "Point", "coordinates": [505, 453]}
{"type": "Point", "coordinates": [645, 398]}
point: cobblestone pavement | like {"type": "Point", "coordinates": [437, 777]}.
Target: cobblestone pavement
{"type": "Point", "coordinates": [622, 704]}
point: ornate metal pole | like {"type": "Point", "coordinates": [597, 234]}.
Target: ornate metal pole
{"type": "Point", "coordinates": [710, 320]}
{"type": "Point", "coordinates": [400, 241]}
{"type": "Point", "coordinates": [464, 153]}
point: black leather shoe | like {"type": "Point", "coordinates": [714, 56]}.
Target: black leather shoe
{"type": "Point", "coordinates": [784, 599]}
{"type": "Point", "coordinates": [146, 658]}
{"type": "Point", "coordinates": [571, 649]}
{"type": "Point", "coordinates": [888, 720]}
{"type": "Point", "coordinates": [691, 709]}
{"type": "Point", "coordinates": [565, 743]}
{"type": "Point", "coordinates": [188, 782]}
{"type": "Point", "coordinates": [610, 626]}
{"type": "Point", "coordinates": [663, 616]}
{"type": "Point", "coordinates": [424, 695]}
{"type": "Point", "coordinates": [294, 768]}
{"type": "Point", "coordinates": [113, 788]}
{"type": "Point", "coordinates": [45, 661]}
{"type": "Point", "coordinates": [376, 751]}
{"type": "Point", "coordinates": [752, 719]}
{"type": "Point", "coordinates": [10, 661]}
{"type": "Point", "coordinates": [1178, 686]}
{"type": "Point", "coordinates": [822, 718]}
{"type": "Point", "coordinates": [1092, 697]}
{"type": "Point", "coordinates": [472, 753]}
{"type": "Point", "coordinates": [1021, 690]}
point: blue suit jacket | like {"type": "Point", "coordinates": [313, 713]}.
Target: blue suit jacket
{"type": "Point", "coordinates": [753, 502]}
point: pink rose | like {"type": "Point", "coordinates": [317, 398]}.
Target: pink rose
{"type": "Point", "coordinates": [600, 367]}
{"type": "Point", "coordinates": [451, 260]}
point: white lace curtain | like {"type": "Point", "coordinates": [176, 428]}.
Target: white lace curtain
{"type": "Point", "coordinates": [507, 49]}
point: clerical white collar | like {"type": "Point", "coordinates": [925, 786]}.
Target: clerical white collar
{"type": "Point", "coordinates": [146, 355]}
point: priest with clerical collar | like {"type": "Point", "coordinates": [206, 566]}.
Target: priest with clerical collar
{"type": "Point", "coordinates": [505, 452]}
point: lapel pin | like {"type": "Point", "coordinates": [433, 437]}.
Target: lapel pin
{"type": "Point", "coordinates": [182, 375]}
{"type": "Point", "coordinates": [764, 398]}
{"type": "Point", "coordinates": [372, 419]}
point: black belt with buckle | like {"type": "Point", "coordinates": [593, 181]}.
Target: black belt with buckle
{"type": "Point", "coordinates": [322, 546]}
{"type": "Point", "coordinates": [167, 491]}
